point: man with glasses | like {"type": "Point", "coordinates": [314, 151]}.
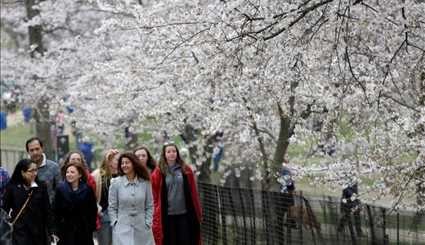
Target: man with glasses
{"type": "Point", "coordinates": [48, 170]}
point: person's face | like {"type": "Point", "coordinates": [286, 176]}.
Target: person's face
{"type": "Point", "coordinates": [31, 173]}
{"type": "Point", "coordinates": [170, 154]}
{"type": "Point", "coordinates": [75, 158]}
{"type": "Point", "coordinates": [72, 175]}
{"type": "Point", "coordinates": [113, 164]}
{"type": "Point", "coordinates": [142, 155]}
{"type": "Point", "coordinates": [127, 166]}
{"type": "Point", "coordinates": [35, 151]}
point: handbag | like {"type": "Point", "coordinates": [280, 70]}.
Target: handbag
{"type": "Point", "coordinates": [6, 227]}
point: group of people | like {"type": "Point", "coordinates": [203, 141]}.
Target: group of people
{"type": "Point", "coordinates": [129, 200]}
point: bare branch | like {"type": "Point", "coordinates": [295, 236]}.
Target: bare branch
{"type": "Point", "coordinates": [181, 43]}
{"type": "Point", "coordinates": [300, 17]}
{"type": "Point", "coordinates": [265, 131]}
{"type": "Point", "coordinates": [347, 56]}
{"type": "Point", "coordinates": [385, 95]}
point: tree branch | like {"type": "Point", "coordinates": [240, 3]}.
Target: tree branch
{"type": "Point", "coordinates": [347, 56]}
{"type": "Point", "coordinates": [400, 102]}
{"type": "Point", "coordinates": [301, 16]}
{"type": "Point", "coordinates": [181, 43]}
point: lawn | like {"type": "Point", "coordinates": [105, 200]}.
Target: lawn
{"type": "Point", "coordinates": [14, 137]}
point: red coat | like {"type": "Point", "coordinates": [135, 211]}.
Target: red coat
{"type": "Point", "coordinates": [90, 181]}
{"type": "Point", "coordinates": [157, 179]}
{"type": "Point", "coordinates": [92, 184]}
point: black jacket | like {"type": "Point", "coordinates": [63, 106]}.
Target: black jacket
{"type": "Point", "coordinates": [33, 225]}
{"type": "Point", "coordinates": [75, 214]}
{"type": "Point", "coordinates": [348, 203]}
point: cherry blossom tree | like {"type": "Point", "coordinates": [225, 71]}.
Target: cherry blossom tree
{"type": "Point", "coordinates": [266, 72]}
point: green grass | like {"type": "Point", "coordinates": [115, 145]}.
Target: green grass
{"type": "Point", "coordinates": [344, 129]}
{"type": "Point", "coordinates": [304, 184]}
{"type": "Point", "coordinates": [15, 136]}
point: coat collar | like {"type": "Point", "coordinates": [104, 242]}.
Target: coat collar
{"type": "Point", "coordinates": [136, 181]}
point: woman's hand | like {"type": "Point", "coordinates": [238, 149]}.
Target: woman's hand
{"type": "Point", "coordinates": [54, 238]}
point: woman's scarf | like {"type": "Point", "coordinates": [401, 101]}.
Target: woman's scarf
{"type": "Point", "coordinates": [74, 196]}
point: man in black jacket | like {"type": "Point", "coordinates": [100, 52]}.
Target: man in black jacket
{"type": "Point", "coordinates": [350, 206]}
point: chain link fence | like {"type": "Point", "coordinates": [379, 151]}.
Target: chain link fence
{"type": "Point", "coordinates": [247, 216]}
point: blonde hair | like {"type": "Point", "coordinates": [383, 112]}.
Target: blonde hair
{"type": "Point", "coordinates": [105, 172]}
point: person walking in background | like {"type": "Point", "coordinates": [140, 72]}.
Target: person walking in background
{"type": "Point", "coordinates": [287, 184]}
{"type": "Point", "coordinates": [102, 176]}
{"type": "Point", "coordinates": [48, 171]}
{"type": "Point", "coordinates": [145, 157]}
{"type": "Point", "coordinates": [285, 200]}
{"type": "Point", "coordinates": [177, 210]}
{"type": "Point", "coordinates": [130, 203]}
{"type": "Point", "coordinates": [218, 150]}
{"type": "Point", "coordinates": [5, 228]}
{"type": "Point", "coordinates": [74, 207]}
{"type": "Point", "coordinates": [350, 207]}
{"type": "Point", "coordinates": [28, 201]}
{"type": "Point", "coordinates": [4, 179]}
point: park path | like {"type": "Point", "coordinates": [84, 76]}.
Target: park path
{"type": "Point", "coordinates": [14, 118]}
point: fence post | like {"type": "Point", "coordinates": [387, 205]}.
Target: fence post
{"type": "Point", "coordinates": [301, 216]}
{"type": "Point", "coordinates": [398, 228]}
{"type": "Point", "coordinates": [253, 226]}
{"type": "Point", "coordinates": [386, 238]}
{"type": "Point", "coordinates": [242, 209]}
{"type": "Point", "coordinates": [223, 194]}
{"type": "Point", "coordinates": [266, 216]}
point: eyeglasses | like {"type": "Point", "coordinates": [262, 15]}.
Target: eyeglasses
{"type": "Point", "coordinates": [32, 170]}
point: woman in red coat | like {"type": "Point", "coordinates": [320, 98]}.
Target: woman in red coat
{"type": "Point", "coordinates": [177, 210]}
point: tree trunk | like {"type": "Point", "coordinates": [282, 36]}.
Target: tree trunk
{"type": "Point", "coordinates": [286, 130]}
{"type": "Point", "coordinates": [190, 137]}
{"type": "Point", "coordinates": [282, 141]}
{"type": "Point", "coordinates": [42, 128]}
{"type": "Point", "coordinates": [41, 111]}
{"type": "Point", "coordinates": [35, 32]}
{"type": "Point", "coordinates": [205, 175]}
{"type": "Point", "coordinates": [265, 185]}
{"type": "Point", "coordinates": [420, 186]}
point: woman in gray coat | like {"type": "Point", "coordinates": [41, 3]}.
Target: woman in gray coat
{"type": "Point", "coordinates": [130, 203]}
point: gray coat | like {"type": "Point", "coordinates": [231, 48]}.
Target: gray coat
{"type": "Point", "coordinates": [130, 209]}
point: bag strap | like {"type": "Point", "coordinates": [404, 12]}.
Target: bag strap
{"type": "Point", "coordinates": [22, 209]}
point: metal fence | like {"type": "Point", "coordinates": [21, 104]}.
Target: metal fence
{"type": "Point", "coordinates": [247, 216]}
{"type": "Point", "coordinates": [9, 157]}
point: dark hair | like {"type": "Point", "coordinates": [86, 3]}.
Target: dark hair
{"type": "Point", "coordinates": [80, 168]}
{"type": "Point", "coordinates": [150, 163]}
{"type": "Point", "coordinates": [140, 170]}
{"type": "Point", "coordinates": [30, 140]}
{"type": "Point", "coordinates": [68, 157]}
{"type": "Point", "coordinates": [163, 161]}
{"type": "Point", "coordinates": [22, 166]}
